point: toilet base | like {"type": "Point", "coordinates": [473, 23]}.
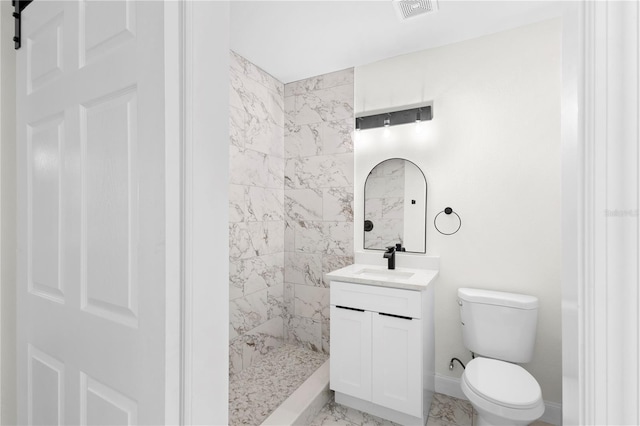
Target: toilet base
{"type": "Point", "coordinates": [490, 414]}
{"type": "Point", "coordinates": [488, 419]}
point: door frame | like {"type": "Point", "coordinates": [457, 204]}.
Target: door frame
{"type": "Point", "coordinates": [197, 66]}
{"type": "Point", "coordinates": [600, 303]}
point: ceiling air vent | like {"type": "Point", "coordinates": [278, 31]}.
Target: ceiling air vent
{"type": "Point", "coordinates": [410, 8]}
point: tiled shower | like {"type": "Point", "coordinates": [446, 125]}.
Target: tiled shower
{"type": "Point", "coordinates": [291, 206]}
{"type": "Point", "coordinates": [256, 213]}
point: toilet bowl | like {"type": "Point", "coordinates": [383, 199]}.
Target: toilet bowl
{"type": "Point", "coordinates": [500, 329]}
{"type": "Point", "coordinates": [503, 393]}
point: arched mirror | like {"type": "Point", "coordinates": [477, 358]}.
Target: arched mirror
{"type": "Point", "coordinates": [395, 206]}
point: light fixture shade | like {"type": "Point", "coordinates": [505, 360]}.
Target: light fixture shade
{"type": "Point", "coordinates": [392, 118]}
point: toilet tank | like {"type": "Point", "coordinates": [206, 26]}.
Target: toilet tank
{"type": "Point", "coordinates": [498, 325]}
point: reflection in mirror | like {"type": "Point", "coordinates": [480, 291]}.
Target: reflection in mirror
{"type": "Point", "coordinates": [395, 205]}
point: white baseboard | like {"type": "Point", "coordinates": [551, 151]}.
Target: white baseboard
{"type": "Point", "coordinates": [451, 386]}
{"type": "Point", "coordinates": [552, 413]}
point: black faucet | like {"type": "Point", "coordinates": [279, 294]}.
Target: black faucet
{"type": "Point", "coordinates": [390, 254]}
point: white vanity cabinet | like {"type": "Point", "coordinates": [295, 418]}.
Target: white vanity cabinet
{"type": "Point", "coordinates": [350, 344]}
{"type": "Point", "coordinates": [397, 363]}
{"type": "Point", "coordinates": [382, 350]}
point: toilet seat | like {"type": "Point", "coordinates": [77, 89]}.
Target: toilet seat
{"type": "Point", "coordinates": [502, 383]}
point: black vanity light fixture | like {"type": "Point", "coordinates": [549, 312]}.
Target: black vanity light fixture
{"type": "Point", "coordinates": [415, 114]}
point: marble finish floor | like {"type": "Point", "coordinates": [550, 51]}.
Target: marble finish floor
{"type": "Point", "coordinates": [445, 411]}
{"type": "Point", "coordinates": [256, 391]}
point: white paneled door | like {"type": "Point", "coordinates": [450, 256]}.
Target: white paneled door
{"type": "Point", "coordinates": [92, 263]}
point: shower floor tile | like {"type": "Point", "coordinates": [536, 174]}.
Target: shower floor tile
{"type": "Point", "coordinates": [256, 391]}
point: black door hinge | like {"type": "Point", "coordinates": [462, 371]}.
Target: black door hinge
{"type": "Point", "coordinates": [19, 6]}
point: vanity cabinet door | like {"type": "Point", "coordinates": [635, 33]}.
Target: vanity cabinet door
{"type": "Point", "coordinates": [350, 361]}
{"type": "Point", "coordinates": [397, 363]}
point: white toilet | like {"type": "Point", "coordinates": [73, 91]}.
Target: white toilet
{"type": "Point", "coordinates": [500, 329]}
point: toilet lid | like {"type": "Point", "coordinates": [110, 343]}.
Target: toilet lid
{"type": "Point", "coordinates": [503, 383]}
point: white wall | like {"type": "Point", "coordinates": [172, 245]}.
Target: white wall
{"type": "Point", "coordinates": [8, 217]}
{"type": "Point", "coordinates": [492, 153]}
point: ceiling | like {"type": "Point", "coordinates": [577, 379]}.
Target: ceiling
{"type": "Point", "coordinates": [293, 40]}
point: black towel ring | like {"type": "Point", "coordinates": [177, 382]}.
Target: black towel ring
{"type": "Point", "coordinates": [447, 211]}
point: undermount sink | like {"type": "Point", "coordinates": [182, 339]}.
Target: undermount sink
{"type": "Point", "coordinates": [378, 275]}
{"type": "Point", "coordinates": [383, 273]}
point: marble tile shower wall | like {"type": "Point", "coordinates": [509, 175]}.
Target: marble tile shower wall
{"type": "Point", "coordinates": [256, 213]}
{"type": "Point", "coordinates": [318, 199]}
{"type": "Point", "coordinates": [290, 206]}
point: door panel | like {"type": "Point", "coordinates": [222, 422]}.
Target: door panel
{"type": "Point", "coordinates": [108, 142]}
{"type": "Point", "coordinates": [91, 215]}
{"type": "Point", "coordinates": [44, 50]}
{"type": "Point", "coordinates": [397, 364]}
{"type": "Point", "coordinates": [44, 143]}
{"type": "Point", "coordinates": [351, 352]}
{"type": "Point", "coordinates": [45, 388]}
{"type": "Point", "coordinates": [105, 27]}
{"type": "Point", "coordinates": [102, 405]}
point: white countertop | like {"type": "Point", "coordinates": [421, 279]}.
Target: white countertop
{"type": "Point", "coordinates": [406, 278]}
